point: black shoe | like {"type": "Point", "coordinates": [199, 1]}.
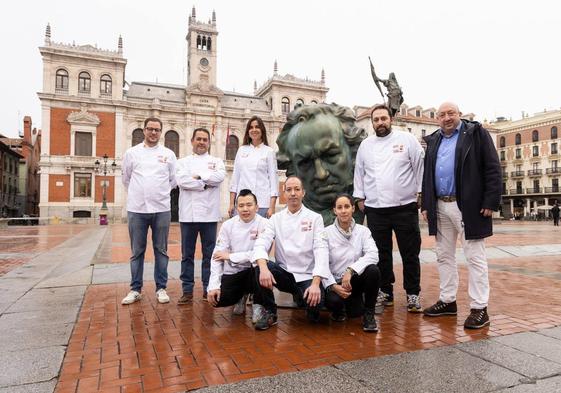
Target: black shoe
{"type": "Point", "coordinates": [369, 322]}
{"type": "Point", "coordinates": [477, 319]}
{"type": "Point", "coordinates": [313, 315]}
{"type": "Point", "coordinates": [440, 308]}
{"type": "Point", "coordinates": [338, 316]}
{"type": "Point", "coordinates": [266, 320]}
{"type": "Point", "coordinates": [186, 298]}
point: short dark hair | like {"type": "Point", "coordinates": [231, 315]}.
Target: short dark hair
{"type": "Point", "coordinates": [153, 119]}
{"type": "Point", "coordinates": [261, 125]}
{"type": "Point", "coordinates": [202, 130]}
{"type": "Point", "coordinates": [246, 192]}
{"type": "Point", "coordinates": [381, 106]}
{"type": "Point", "coordinates": [343, 195]}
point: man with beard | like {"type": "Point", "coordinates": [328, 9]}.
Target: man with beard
{"type": "Point", "coordinates": [387, 181]}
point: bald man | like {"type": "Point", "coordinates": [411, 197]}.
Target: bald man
{"type": "Point", "coordinates": [461, 189]}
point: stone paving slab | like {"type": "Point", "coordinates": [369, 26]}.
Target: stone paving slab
{"type": "Point", "coordinates": [79, 277]}
{"type": "Point", "coordinates": [30, 366]}
{"type": "Point", "coordinates": [529, 365]}
{"type": "Point", "coordinates": [553, 332]}
{"type": "Point", "coordinates": [42, 387]}
{"type": "Point", "coordinates": [550, 385]}
{"type": "Point", "coordinates": [49, 299]}
{"type": "Point", "coordinates": [35, 336]}
{"type": "Point", "coordinates": [436, 371]}
{"type": "Point", "coordinates": [534, 343]}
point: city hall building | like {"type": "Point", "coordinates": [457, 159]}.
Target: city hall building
{"type": "Point", "coordinates": [90, 111]}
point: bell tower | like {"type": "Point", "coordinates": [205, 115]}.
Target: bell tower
{"type": "Point", "coordinates": [201, 52]}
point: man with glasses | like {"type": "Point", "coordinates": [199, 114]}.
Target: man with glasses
{"type": "Point", "coordinates": [149, 176]}
{"type": "Point", "coordinates": [199, 176]}
{"type": "Point", "coordinates": [461, 189]}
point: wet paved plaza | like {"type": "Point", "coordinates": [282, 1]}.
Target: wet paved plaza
{"type": "Point", "coordinates": [151, 347]}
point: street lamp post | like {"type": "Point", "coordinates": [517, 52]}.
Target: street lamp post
{"type": "Point", "coordinates": [102, 168]}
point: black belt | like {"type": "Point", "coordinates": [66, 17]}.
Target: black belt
{"type": "Point", "coordinates": [447, 198]}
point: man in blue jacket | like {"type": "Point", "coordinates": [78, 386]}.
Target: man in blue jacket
{"type": "Point", "coordinates": [461, 189]}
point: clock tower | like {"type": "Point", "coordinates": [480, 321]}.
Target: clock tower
{"type": "Point", "coordinates": [201, 53]}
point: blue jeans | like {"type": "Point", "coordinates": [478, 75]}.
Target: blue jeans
{"type": "Point", "coordinates": [189, 233]}
{"type": "Point", "coordinates": [138, 232]}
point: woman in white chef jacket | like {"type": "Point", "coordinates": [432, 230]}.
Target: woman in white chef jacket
{"type": "Point", "coordinates": [353, 258]}
{"type": "Point", "coordinates": [255, 169]}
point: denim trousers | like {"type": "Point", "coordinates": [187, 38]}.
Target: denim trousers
{"type": "Point", "coordinates": [189, 234]}
{"type": "Point", "coordinates": [138, 233]}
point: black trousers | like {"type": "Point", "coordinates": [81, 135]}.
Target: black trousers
{"type": "Point", "coordinates": [285, 283]}
{"type": "Point", "coordinates": [364, 285]}
{"type": "Point", "coordinates": [404, 221]}
{"type": "Point", "coordinates": [556, 221]}
{"type": "Point", "coordinates": [234, 286]}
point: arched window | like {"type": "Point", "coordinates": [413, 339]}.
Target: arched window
{"type": "Point", "coordinates": [171, 141]}
{"type": "Point", "coordinates": [535, 136]}
{"type": "Point", "coordinates": [199, 43]}
{"type": "Point", "coordinates": [84, 82]}
{"type": "Point", "coordinates": [208, 44]}
{"type": "Point", "coordinates": [61, 82]}
{"type": "Point", "coordinates": [203, 45]}
{"type": "Point", "coordinates": [553, 132]}
{"type": "Point", "coordinates": [502, 141]}
{"type": "Point", "coordinates": [105, 85]}
{"type": "Point", "coordinates": [232, 147]}
{"type": "Point", "coordinates": [299, 102]}
{"type": "Point", "coordinates": [137, 136]}
{"type": "Point", "coordinates": [517, 139]}
{"type": "Point", "coordinates": [285, 104]}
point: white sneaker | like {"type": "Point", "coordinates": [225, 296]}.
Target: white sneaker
{"type": "Point", "coordinates": [239, 307]}
{"type": "Point", "coordinates": [162, 296]}
{"type": "Point", "coordinates": [133, 296]}
{"type": "Point", "coordinates": [257, 311]}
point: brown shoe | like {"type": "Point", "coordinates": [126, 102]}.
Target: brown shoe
{"type": "Point", "coordinates": [186, 298]}
{"type": "Point", "coordinates": [477, 319]}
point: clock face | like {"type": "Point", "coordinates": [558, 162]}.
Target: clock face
{"type": "Point", "coordinates": [204, 62]}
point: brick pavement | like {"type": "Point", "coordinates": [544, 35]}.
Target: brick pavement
{"type": "Point", "coordinates": [149, 347]}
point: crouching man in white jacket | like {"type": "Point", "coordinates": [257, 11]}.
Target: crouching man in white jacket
{"type": "Point", "coordinates": [232, 276]}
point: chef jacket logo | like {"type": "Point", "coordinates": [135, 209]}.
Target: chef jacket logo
{"type": "Point", "coordinates": [211, 166]}
{"type": "Point", "coordinates": [253, 234]}
{"type": "Point", "coordinates": [397, 148]}
{"type": "Point", "coordinates": [305, 225]}
{"type": "Point", "coordinates": [162, 159]}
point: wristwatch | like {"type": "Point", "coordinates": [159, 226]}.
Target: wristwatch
{"type": "Point", "coordinates": [350, 270]}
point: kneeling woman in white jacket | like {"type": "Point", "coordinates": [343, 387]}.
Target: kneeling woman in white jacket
{"type": "Point", "coordinates": [353, 257]}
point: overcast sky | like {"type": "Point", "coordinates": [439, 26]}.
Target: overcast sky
{"type": "Point", "coordinates": [494, 58]}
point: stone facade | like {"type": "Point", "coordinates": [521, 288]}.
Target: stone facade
{"type": "Point", "coordinates": [86, 113]}
{"type": "Point", "coordinates": [529, 154]}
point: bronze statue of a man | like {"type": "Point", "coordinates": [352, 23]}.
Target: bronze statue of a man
{"type": "Point", "coordinates": [394, 92]}
{"type": "Point", "coordinates": [318, 144]}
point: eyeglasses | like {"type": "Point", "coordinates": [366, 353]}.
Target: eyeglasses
{"type": "Point", "coordinates": [150, 129]}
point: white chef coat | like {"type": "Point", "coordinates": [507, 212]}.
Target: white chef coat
{"type": "Point", "coordinates": [148, 176]}
{"type": "Point", "coordinates": [357, 252]}
{"type": "Point", "coordinates": [255, 169]}
{"type": "Point", "coordinates": [199, 199]}
{"type": "Point", "coordinates": [236, 237]}
{"type": "Point", "coordinates": [300, 243]}
{"type": "Point", "coordinates": [389, 170]}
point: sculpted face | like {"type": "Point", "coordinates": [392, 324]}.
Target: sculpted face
{"type": "Point", "coordinates": [321, 157]}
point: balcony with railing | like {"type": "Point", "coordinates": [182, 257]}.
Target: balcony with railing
{"type": "Point", "coordinates": [516, 191]}
{"type": "Point", "coordinates": [534, 190]}
{"type": "Point", "coordinates": [535, 172]}
{"type": "Point", "coordinates": [505, 175]}
{"type": "Point", "coordinates": [553, 190]}
{"type": "Point", "coordinates": [553, 171]}
{"type": "Point", "coordinates": [517, 174]}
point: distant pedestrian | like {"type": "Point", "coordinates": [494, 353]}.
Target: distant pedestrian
{"type": "Point", "coordinates": [149, 177]}
{"type": "Point", "coordinates": [461, 189]}
{"type": "Point", "coordinates": [555, 214]}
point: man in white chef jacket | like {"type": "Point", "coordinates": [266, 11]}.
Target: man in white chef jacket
{"type": "Point", "coordinates": [199, 176]}
{"type": "Point", "coordinates": [232, 276]}
{"type": "Point", "coordinates": [388, 180]}
{"type": "Point", "coordinates": [149, 176]}
{"type": "Point", "coordinates": [301, 257]}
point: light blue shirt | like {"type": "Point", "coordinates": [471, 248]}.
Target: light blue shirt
{"type": "Point", "coordinates": [445, 158]}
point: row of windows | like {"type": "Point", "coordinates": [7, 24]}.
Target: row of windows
{"type": "Point", "coordinates": [84, 82]}
{"type": "Point", "coordinates": [535, 137]}
{"type": "Point", "coordinates": [535, 152]}
{"type": "Point", "coordinates": [285, 104]}
{"type": "Point", "coordinates": [204, 42]}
